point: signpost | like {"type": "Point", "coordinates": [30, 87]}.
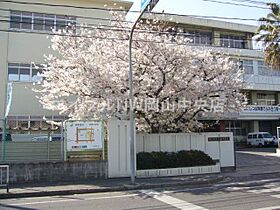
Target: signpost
{"type": "Point", "coordinates": [143, 6]}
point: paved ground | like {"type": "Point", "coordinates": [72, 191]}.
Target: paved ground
{"type": "Point", "coordinates": [261, 162]}
{"type": "Point", "coordinates": [263, 195]}
{"type": "Point", "coordinates": [254, 185]}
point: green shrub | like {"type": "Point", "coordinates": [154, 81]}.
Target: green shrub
{"type": "Point", "coordinates": [157, 160]}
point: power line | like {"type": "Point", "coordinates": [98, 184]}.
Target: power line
{"type": "Point", "coordinates": [119, 29]}
{"type": "Point", "coordinates": [123, 10]}
{"type": "Point", "coordinates": [154, 13]}
{"type": "Point", "coordinates": [113, 9]}
{"type": "Point", "coordinates": [251, 2]}
{"type": "Point", "coordinates": [62, 5]}
{"type": "Point", "coordinates": [236, 4]}
{"type": "Point", "coordinates": [76, 16]}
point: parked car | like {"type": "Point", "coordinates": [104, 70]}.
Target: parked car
{"type": "Point", "coordinates": [46, 137]}
{"type": "Point", "coordinates": [261, 139]}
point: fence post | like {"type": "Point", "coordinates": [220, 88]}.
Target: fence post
{"type": "Point", "coordinates": [62, 141]}
{"type": "Point", "coordinates": [48, 144]}
{"type": "Point", "coordinates": [4, 140]}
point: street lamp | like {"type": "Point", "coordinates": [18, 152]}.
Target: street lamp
{"type": "Point", "coordinates": [144, 5]}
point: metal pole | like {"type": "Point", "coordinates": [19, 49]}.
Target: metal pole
{"type": "Point", "coordinates": [131, 100]}
{"type": "Point", "coordinates": [4, 140]}
{"type": "Point", "coordinates": [131, 109]}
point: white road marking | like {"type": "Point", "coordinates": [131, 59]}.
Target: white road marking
{"type": "Point", "coordinates": [269, 190]}
{"type": "Point", "coordinates": [228, 185]}
{"type": "Point", "coordinates": [269, 208]}
{"type": "Point", "coordinates": [180, 204]}
{"type": "Point", "coordinates": [258, 153]}
{"type": "Point", "coordinates": [72, 200]}
{"type": "Point", "coordinates": [276, 196]}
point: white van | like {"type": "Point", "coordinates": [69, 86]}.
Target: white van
{"type": "Point", "coordinates": [261, 139]}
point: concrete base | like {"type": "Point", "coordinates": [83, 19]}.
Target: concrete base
{"type": "Point", "coordinates": [278, 152]}
{"type": "Point", "coordinates": [57, 171]}
{"type": "Point", "coordinates": [178, 171]}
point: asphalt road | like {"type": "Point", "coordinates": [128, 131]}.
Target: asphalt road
{"type": "Point", "coordinates": [261, 192]}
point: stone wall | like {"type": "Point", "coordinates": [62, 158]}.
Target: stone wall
{"type": "Point", "coordinates": [57, 171]}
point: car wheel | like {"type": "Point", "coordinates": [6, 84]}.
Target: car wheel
{"type": "Point", "coordinates": [260, 145]}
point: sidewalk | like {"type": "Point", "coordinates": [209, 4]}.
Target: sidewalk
{"type": "Point", "coordinates": [108, 185]}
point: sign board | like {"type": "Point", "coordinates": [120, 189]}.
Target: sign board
{"type": "Point", "coordinates": [227, 138]}
{"type": "Point", "coordinates": [139, 6]}
{"type": "Point", "coordinates": [83, 135]}
{"type": "Point", "coordinates": [144, 4]}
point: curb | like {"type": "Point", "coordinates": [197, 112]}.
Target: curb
{"type": "Point", "coordinates": [139, 186]}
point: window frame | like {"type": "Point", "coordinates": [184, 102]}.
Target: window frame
{"type": "Point", "coordinates": [44, 17]}
{"type": "Point", "coordinates": [233, 41]}
{"type": "Point", "coordinates": [24, 66]}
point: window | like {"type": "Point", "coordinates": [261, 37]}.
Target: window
{"type": "Point", "coordinates": [24, 72]}
{"type": "Point", "coordinates": [250, 136]}
{"type": "Point", "coordinates": [49, 22]}
{"type": "Point", "coordinates": [232, 41]}
{"type": "Point", "coordinates": [255, 136]}
{"type": "Point", "coordinates": [39, 21]}
{"type": "Point", "coordinates": [267, 135]}
{"type": "Point", "coordinates": [260, 136]}
{"type": "Point", "coordinates": [26, 20]}
{"type": "Point", "coordinates": [266, 71]}
{"type": "Point", "coordinates": [265, 99]}
{"type": "Point", "coordinates": [248, 66]}
{"type": "Point", "coordinates": [15, 20]}
{"type": "Point", "coordinates": [200, 38]}
{"type": "Point", "coordinates": [235, 127]}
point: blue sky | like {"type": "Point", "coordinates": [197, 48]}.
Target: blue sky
{"type": "Point", "coordinates": [206, 8]}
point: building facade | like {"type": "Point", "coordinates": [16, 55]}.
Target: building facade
{"type": "Point", "coordinates": [23, 32]}
{"type": "Point", "coordinates": [24, 28]}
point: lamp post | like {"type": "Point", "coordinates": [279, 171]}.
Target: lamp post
{"type": "Point", "coordinates": [144, 4]}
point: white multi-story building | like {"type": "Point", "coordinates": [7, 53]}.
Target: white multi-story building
{"type": "Point", "coordinates": [23, 30]}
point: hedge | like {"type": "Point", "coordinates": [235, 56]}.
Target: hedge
{"type": "Point", "coordinates": [157, 160]}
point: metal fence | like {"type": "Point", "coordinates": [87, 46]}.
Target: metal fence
{"type": "Point", "coordinates": [40, 145]}
{"type": "Point", "coordinates": [31, 151]}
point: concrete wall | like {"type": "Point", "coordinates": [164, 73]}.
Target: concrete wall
{"type": "Point", "coordinates": [222, 150]}
{"type": "Point", "coordinates": [119, 146]}
{"type": "Point", "coordinates": [57, 171]}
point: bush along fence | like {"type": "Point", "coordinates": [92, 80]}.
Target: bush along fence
{"type": "Point", "coordinates": [153, 164]}
{"type": "Point", "coordinates": [158, 160]}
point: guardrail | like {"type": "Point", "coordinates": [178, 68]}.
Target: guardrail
{"type": "Point", "coordinates": [4, 177]}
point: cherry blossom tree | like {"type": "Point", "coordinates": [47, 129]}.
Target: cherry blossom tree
{"type": "Point", "coordinates": [174, 82]}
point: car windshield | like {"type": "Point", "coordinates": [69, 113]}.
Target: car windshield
{"type": "Point", "coordinates": [267, 135]}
